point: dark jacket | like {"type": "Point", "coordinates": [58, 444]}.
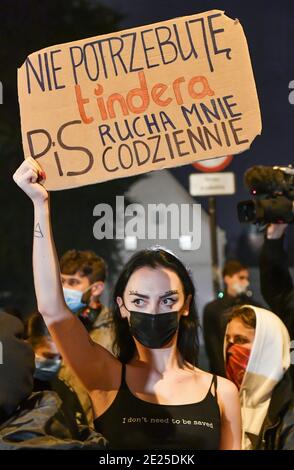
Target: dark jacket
{"type": "Point", "coordinates": [278, 428]}
{"type": "Point", "coordinates": [40, 422]}
{"type": "Point", "coordinates": [214, 326]}
{"type": "Point", "coordinates": [276, 282]}
{"type": "Point", "coordinates": [68, 396]}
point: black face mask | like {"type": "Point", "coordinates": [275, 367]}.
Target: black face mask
{"type": "Point", "coordinates": [153, 330]}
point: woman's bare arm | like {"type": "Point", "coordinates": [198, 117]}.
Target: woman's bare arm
{"type": "Point", "coordinates": [228, 397]}
{"type": "Point", "coordinates": [90, 361]}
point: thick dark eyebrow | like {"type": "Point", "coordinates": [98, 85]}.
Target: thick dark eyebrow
{"type": "Point", "coordinates": [170, 292]}
{"type": "Point", "coordinates": [138, 294]}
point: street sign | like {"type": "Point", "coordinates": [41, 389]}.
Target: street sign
{"type": "Point", "coordinates": [212, 184]}
{"type": "Point", "coordinates": [213, 164]}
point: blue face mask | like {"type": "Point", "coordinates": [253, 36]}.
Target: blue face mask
{"type": "Point", "coordinates": [73, 299]}
{"type": "Point", "coordinates": [46, 369]}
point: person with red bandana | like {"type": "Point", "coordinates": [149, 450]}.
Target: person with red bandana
{"type": "Point", "coordinates": [257, 360]}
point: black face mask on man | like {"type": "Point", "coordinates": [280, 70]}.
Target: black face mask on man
{"type": "Point", "coordinates": [153, 330]}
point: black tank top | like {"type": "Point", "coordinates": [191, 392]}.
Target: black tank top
{"type": "Point", "coordinates": [132, 423]}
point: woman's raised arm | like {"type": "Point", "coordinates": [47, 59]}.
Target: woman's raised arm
{"type": "Point", "coordinates": [88, 360]}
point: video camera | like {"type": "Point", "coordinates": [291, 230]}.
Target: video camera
{"type": "Point", "coordinates": [273, 190]}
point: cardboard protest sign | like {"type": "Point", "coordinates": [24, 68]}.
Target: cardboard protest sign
{"type": "Point", "coordinates": [147, 98]}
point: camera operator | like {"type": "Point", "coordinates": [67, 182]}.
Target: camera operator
{"type": "Point", "coordinates": [275, 279]}
{"type": "Point", "coordinates": [272, 207]}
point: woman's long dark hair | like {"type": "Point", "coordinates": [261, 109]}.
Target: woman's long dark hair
{"type": "Point", "coordinates": [187, 343]}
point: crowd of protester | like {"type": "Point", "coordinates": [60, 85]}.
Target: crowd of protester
{"type": "Point", "coordinates": [77, 374]}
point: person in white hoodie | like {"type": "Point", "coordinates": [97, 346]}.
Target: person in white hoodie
{"type": "Point", "coordinates": [257, 357]}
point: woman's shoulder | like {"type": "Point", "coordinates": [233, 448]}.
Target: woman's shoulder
{"type": "Point", "coordinates": [228, 396]}
{"type": "Point", "coordinates": [224, 386]}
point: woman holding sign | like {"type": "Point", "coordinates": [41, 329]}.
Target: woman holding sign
{"type": "Point", "coordinates": [152, 396]}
